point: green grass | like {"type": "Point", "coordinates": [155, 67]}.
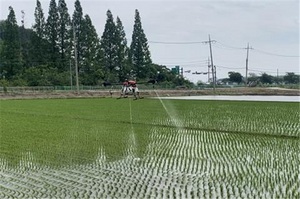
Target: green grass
{"type": "Point", "coordinates": [168, 148]}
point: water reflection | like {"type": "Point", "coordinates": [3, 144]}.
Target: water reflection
{"type": "Point", "coordinates": [240, 98]}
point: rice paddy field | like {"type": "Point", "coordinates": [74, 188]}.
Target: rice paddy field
{"type": "Point", "coordinates": [149, 148]}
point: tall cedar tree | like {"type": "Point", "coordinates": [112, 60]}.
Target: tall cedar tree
{"type": "Point", "coordinates": [52, 33]}
{"type": "Point", "coordinates": [39, 26]}
{"type": "Point", "coordinates": [78, 25]}
{"type": "Point", "coordinates": [91, 66]}
{"type": "Point", "coordinates": [38, 38]}
{"type": "Point", "coordinates": [122, 52]}
{"type": "Point", "coordinates": [139, 50]}
{"type": "Point", "coordinates": [109, 49]}
{"type": "Point", "coordinates": [64, 27]}
{"type": "Point", "coordinates": [11, 51]}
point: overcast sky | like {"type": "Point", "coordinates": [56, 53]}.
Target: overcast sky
{"type": "Point", "coordinates": [176, 29]}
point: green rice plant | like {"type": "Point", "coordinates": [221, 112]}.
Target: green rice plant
{"type": "Point", "coordinates": [148, 148]}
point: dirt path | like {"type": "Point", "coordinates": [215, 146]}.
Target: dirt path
{"type": "Point", "coordinates": [149, 93]}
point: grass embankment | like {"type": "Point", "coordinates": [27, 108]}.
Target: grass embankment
{"type": "Point", "coordinates": [33, 93]}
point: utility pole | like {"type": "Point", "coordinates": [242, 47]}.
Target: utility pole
{"type": "Point", "coordinates": [212, 63]}
{"type": "Point", "coordinates": [71, 81]}
{"type": "Point", "coordinates": [23, 19]}
{"type": "Point", "coordinates": [277, 76]}
{"type": "Point", "coordinates": [246, 77]}
{"type": "Point", "coordinates": [22, 38]}
{"type": "Point", "coordinates": [215, 70]}
{"type": "Point", "coordinates": [208, 71]}
{"type": "Point", "coordinates": [76, 64]}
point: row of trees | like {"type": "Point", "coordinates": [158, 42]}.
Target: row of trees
{"type": "Point", "coordinates": [46, 53]}
{"type": "Point", "coordinates": [289, 78]}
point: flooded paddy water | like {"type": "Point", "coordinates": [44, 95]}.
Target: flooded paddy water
{"type": "Point", "coordinates": [185, 156]}
{"type": "Point", "coordinates": [265, 98]}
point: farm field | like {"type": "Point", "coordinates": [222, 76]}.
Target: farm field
{"type": "Point", "coordinates": [150, 148]}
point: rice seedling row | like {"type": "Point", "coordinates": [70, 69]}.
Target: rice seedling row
{"type": "Point", "coordinates": [194, 150]}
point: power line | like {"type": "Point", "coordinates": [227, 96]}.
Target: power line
{"type": "Point", "coordinates": [228, 46]}
{"type": "Point", "coordinates": [187, 65]}
{"type": "Point", "coordinates": [228, 67]}
{"type": "Point", "coordinates": [189, 62]}
{"type": "Point", "coordinates": [266, 71]}
{"type": "Point", "coordinates": [274, 54]}
{"type": "Point", "coordinates": [221, 44]}
{"type": "Point", "coordinates": [176, 43]}
{"type": "Point", "coordinates": [261, 51]}
{"type": "Point", "coordinates": [196, 65]}
{"type": "Point", "coordinates": [269, 71]}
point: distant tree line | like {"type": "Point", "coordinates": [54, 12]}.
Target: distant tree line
{"type": "Point", "coordinates": [44, 55]}
{"type": "Point", "coordinates": [264, 78]}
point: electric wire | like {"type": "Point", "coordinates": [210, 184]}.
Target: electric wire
{"type": "Point", "coordinates": [229, 67]}
{"type": "Point", "coordinates": [219, 44]}
{"type": "Point", "coordinates": [222, 45]}
{"type": "Point", "coordinates": [228, 46]}
{"type": "Point", "coordinates": [274, 54]}
{"type": "Point", "coordinates": [176, 42]}
{"type": "Point", "coordinates": [189, 62]}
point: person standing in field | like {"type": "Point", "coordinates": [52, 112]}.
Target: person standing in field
{"type": "Point", "coordinates": [125, 89]}
{"type": "Point", "coordinates": [133, 86]}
